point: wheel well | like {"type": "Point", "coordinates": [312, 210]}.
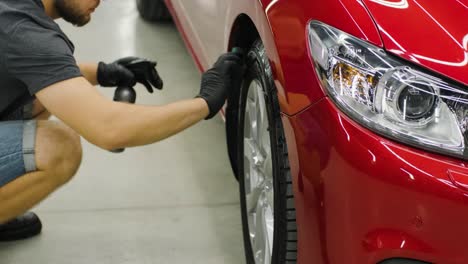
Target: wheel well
{"type": "Point", "coordinates": [244, 33]}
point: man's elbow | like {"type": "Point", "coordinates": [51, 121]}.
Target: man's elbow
{"type": "Point", "coordinates": [110, 139]}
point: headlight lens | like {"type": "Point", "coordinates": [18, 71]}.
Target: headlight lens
{"type": "Point", "coordinates": [389, 96]}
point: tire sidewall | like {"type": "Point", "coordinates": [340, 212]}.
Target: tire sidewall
{"type": "Point", "coordinates": [256, 72]}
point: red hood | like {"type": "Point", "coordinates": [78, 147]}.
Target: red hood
{"type": "Point", "coordinates": [431, 33]}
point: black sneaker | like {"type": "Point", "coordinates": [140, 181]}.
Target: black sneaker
{"type": "Point", "coordinates": [22, 227]}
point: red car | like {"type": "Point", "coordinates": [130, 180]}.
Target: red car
{"type": "Point", "coordinates": [349, 133]}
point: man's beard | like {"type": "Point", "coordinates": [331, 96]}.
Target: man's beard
{"type": "Point", "coordinates": [68, 10]}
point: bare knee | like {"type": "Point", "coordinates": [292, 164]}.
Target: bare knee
{"type": "Point", "coordinates": [58, 151]}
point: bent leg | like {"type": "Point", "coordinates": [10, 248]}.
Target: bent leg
{"type": "Point", "coordinates": [57, 157]}
{"type": "Point", "coordinates": [39, 112]}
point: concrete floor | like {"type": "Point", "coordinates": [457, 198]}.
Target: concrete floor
{"type": "Point", "coordinates": [172, 202]}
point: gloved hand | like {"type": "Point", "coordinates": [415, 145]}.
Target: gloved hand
{"type": "Point", "coordinates": [217, 82]}
{"type": "Point", "coordinates": [128, 71]}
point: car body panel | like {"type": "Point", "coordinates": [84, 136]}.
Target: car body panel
{"type": "Point", "coordinates": [360, 198]}
{"type": "Point", "coordinates": [443, 44]}
{"type": "Point", "coordinates": [370, 198]}
{"type": "Point", "coordinates": [282, 27]}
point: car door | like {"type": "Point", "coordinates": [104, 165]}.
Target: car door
{"type": "Point", "coordinates": [203, 24]}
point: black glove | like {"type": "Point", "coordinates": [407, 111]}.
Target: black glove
{"type": "Point", "coordinates": [128, 71]}
{"type": "Point", "coordinates": [217, 82]}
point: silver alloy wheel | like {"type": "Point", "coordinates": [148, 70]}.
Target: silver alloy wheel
{"type": "Point", "coordinates": [258, 175]}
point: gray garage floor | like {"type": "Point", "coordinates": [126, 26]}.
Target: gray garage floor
{"type": "Point", "coordinates": [172, 202]}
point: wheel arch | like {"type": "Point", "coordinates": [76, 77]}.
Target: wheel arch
{"type": "Point", "coordinates": [247, 23]}
{"type": "Point", "coordinates": [243, 34]}
{"type": "Point", "coordinates": [244, 31]}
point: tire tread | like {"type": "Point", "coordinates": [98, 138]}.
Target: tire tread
{"type": "Point", "coordinates": [289, 234]}
{"type": "Point", "coordinates": [285, 236]}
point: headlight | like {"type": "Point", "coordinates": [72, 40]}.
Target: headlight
{"type": "Point", "coordinates": [390, 96]}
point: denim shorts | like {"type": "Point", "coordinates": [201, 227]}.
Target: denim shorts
{"type": "Point", "coordinates": [17, 144]}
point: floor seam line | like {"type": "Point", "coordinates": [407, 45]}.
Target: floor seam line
{"type": "Point", "coordinates": [150, 208]}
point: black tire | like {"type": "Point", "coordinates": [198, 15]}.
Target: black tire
{"type": "Point", "coordinates": [153, 10]}
{"type": "Point", "coordinates": [285, 230]}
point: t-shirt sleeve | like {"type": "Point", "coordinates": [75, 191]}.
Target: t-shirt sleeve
{"type": "Point", "coordinates": [39, 57]}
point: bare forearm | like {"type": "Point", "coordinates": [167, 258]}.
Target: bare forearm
{"type": "Point", "coordinates": [89, 71]}
{"type": "Point", "coordinates": [138, 125]}
{"type": "Point", "coordinates": [112, 125]}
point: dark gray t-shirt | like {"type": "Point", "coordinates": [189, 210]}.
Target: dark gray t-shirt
{"type": "Point", "coordinates": [34, 52]}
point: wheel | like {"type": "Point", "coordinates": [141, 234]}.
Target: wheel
{"type": "Point", "coordinates": [266, 192]}
{"type": "Point", "coordinates": [153, 10]}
